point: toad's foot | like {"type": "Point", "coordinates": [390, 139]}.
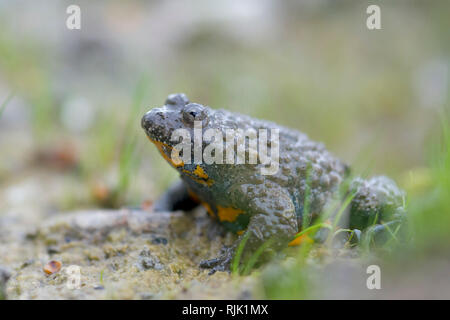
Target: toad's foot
{"type": "Point", "coordinates": [376, 201]}
{"type": "Point", "coordinates": [221, 263]}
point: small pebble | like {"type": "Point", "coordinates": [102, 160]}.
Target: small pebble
{"type": "Point", "coordinates": [52, 267]}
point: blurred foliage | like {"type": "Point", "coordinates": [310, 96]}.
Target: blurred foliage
{"type": "Point", "coordinates": [311, 66]}
{"type": "Point", "coordinates": [430, 210]}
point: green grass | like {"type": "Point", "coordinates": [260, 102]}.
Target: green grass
{"type": "Point", "coordinates": [114, 143]}
{"type": "Point", "coordinates": [430, 211]}
{"type": "Point", "coordinates": [24, 65]}
{"type": "Point", "coordinates": [307, 202]}
{"type": "Point", "coordinates": [101, 279]}
{"type": "Point", "coordinates": [289, 279]}
{"type": "Point", "coordinates": [130, 156]}
{"type": "Point", "coordinates": [237, 256]}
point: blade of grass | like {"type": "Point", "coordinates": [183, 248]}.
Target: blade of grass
{"type": "Point", "coordinates": [392, 233]}
{"type": "Point", "coordinates": [129, 155]}
{"type": "Point", "coordinates": [338, 216]}
{"type": "Point", "coordinates": [101, 277]}
{"type": "Point", "coordinates": [312, 228]}
{"type": "Point", "coordinates": [5, 103]}
{"type": "Point", "coordinates": [307, 198]}
{"type": "Point", "coordinates": [340, 231]}
{"type": "Point", "coordinates": [352, 234]}
{"type": "Point", "coordinates": [255, 256]}
{"type": "Point", "coordinates": [238, 254]}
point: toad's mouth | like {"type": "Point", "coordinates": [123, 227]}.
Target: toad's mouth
{"type": "Point", "coordinates": [166, 152]}
{"type": "Point", "coordinates": [198, 175]}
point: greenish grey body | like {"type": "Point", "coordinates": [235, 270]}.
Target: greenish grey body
{"type": "Point", "coordinates": [241, 197]}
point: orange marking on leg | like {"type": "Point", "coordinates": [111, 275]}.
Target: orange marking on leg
{"type": "Point", "coordinates": [208, 209]}
{"type": "Point", "coordinates": [304, 238]}
{"type": "Point", "coordinates": [228, 214]}
{"type": "Point", "coordinates": [177, 162]}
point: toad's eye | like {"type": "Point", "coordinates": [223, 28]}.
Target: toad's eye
{"type": "Point", "coordinates": [193, 112]}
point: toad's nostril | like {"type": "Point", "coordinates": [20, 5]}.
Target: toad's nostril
{"type": "Point", "coordinates": [146, 120]}
{"type": "Point", "coordinates": [153, 118]}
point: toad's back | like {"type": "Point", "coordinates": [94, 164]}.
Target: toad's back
{"type": "Point", "coordinates": [304, 167]}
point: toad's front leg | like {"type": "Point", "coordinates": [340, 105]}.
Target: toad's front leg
{"type": "Point", "coordinates": [273, 221]}
{"type": "Point", "coordinates": [177, 197]}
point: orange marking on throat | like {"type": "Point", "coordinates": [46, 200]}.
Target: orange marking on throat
{"type": "Point", "coordinates": [199, 172]}
{"type": "Point", "coordinates": [161, 145]}
{"type": "Point", "coordinates": [199, 175]}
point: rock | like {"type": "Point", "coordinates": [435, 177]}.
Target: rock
{"type": "Point", "coordinates": [106, 245]}
{"type": "Point", "coordinates": [121, 254]}
{"type": "Point", "coordinates": [95, 225]}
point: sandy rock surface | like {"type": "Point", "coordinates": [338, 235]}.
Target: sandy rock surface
{"type": "Point", "coordinates": [123, 254]}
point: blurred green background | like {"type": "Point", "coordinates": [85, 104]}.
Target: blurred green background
{"type": "Point", "coordinates": [77, 96]}
{"type": "Point", "coordinates": [71, 103]}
